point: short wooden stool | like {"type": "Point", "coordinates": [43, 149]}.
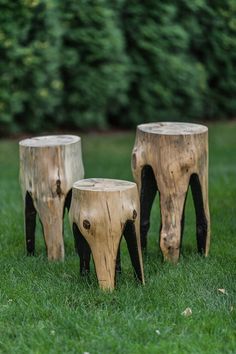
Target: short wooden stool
{"type": "Point", "coordinates": [168, 157]}
{"type": "Point", "coordinates": [49, 166]}
{"type": "Point", "coordinates": [101, 211]}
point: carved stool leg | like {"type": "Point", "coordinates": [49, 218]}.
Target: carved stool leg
{"type": "Point", "coordinates": [83, 250]}
{"type": "Point", "coordinates": [30, 224]}
{"type": "Point", "coordinates": [105, 264]}
{"type": "Point", "coordinates": [118, 261]}
{"type": "Point", "coordinates": [134, 251]}
{"type": "Point", "coordinates": [51, 216]}
{"type": "Point", "coordinates": [172, 208]}
{"type": "Point", "coordinates": [199, 188]}
{"type": "Point", "coordinates": [67, 202]}
{"type": "Point", "coordinates": [147, 196]}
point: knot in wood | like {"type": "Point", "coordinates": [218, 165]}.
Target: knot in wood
{"type": "Point", "coordinates": [134, 214]}
{"type": "Point", "coordinates": [86, 224]}
{"type": "Point", "coordinates": [59, 192]}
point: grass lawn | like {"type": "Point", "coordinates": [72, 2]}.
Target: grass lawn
{"type": "Point", "coordinates": [48, 308]}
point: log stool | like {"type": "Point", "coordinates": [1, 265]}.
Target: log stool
{"type": "Point", "coordinates": [49, 166]}
{"type": "Point", "coordinates": [101, 211]}
{"type": "Point", "coordinates": [168, 157]}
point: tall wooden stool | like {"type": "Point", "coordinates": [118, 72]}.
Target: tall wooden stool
{"type": "Point", "coordinates": [168, 157]}
{"type": "Point", "coordinates": [49, 166]}
{"type": "Point", "coordinates": [101, 211]}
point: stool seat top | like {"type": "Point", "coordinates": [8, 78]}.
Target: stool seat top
{"type": "Point", "coordinates": [50, 140]}
{"type": "Point", "coordinates": [103, 185]}
{"type": "Point", "coordinates": [175, 128]}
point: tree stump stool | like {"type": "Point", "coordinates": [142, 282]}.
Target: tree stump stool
{"type": "Point", "coordinates": [102, 210]}
{"type": "Point", "coordinates": [49, 166]}
{"type": "Point", "coordinates": [167, 157]}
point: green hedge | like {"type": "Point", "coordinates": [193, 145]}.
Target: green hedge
{"type": "Point", "coordinates": [94, 65]}
{"type": "Point", "coordinates": [30, 84]}
{"type": "Point", "coordinates": [168, 82]}
{"type": "Point", "coordinates": [89, 64]}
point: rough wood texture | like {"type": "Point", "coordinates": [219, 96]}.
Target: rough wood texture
{"type": "Point", "coordinates": [49, 166]}
{"type": "Point", "coordinates": [103, 210]}
{"type": "Point", "coordinates": [167, 157]}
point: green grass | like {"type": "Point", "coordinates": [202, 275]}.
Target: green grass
{"type": "Point", "coordinates": [48, 308]}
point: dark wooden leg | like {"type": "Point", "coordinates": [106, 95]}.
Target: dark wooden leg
{"type": "Point", "coordinates": [83, 250]}
{"type": "Point", "coordinates": [183, 221]}
{"type": "Point", "coordinates": [67, 201]}
{"type": "Point", "coordinates": [118, 262]}
{"type": "Point", "coordinates": [148, 193]}
{"type": "Point", "coordinates": [131, 239]}
{"type": "Point", "coordinates": [202, 213]}
{"type": "Point", "coordinates": [30, 224]}
{"type": "Point", "coordinates": [118, 265]}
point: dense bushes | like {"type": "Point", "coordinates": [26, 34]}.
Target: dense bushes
{"type": "Point", "coordinates": [212, 26]}
{"type": "Point", "coordinates": [94, 63]}
{"type": "Point", "coordinates": [86, 63]}
{"type": "Point", "coordinates": [30, 85]}
{"type": "Point", "coordinates": [168, 82]}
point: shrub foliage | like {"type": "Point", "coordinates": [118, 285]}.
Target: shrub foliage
{"type": "Point", "coordinates": [90, 63]}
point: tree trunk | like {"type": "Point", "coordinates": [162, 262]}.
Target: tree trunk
{"type": "Point", "coordinates": [49, 166]}
{"type": "Point", "coordinates": [167, 157]}
{"type": "Point", "coordinates": [101, 211]}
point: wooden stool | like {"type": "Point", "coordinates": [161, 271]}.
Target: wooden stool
{"type": "Point", "coordinates": [101, 211]}
{"type": "Point", "coordinates": [168, 157]}
{"type": "Point", "coordinates": [49, 166]}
